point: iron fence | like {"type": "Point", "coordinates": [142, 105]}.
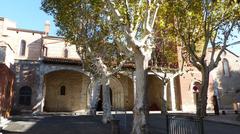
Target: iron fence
{"type": "Point", "coordinates": [179, 124]}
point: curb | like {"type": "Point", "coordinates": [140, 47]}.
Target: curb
{"type": "Point", "coordinates": [222, 122]}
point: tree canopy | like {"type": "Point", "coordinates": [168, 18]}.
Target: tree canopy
{"type": "Point", "coordinates": [84, 24]}
{"type": "Point", "coordinates": [202, 27]}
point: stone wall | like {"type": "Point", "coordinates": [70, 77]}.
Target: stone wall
{"type": "Point", "coordinates": [33, 44]}
{"type": "Point", "coordinates": [31, 74]}
{"type": "Point", "coordinates": [27, 74]}
{"type": "Point", "coordinates": [57, 46]}
{"type": "Point", "coordinates": [73, 98]}
{"type": "Point", "coordinates": [46, 79]}
{"type": "Point", "coordinates": [227, 86]}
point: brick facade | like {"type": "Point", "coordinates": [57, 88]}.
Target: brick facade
{"type": "Point", "coordinates": [6, 90]}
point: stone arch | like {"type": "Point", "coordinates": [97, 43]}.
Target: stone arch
{"type": "Point", "coordinates": [46, 69]}
{"type": "Point", "coordinates": [155, 92]}
{"type": "Point", "coordinates": [117, 94]}
{"type": "Point", "coordinates": [128, 89]}
{"type": "Point", "coordinates": [74, 97]}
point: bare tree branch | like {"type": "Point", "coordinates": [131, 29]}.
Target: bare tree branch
{"type": "Point", "coordinates": [226, 36]}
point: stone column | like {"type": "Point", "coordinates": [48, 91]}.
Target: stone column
{"type": "Point", "coordinates": [42, 89]}
{"type": "Point", "coordinates": [134, 85]}
{"type": "Point", "coordinates": [173, 97]}
{"type": "Point", "coordinates": [42, 92]}
{"type": "Point", "coordinates": [165, 92]}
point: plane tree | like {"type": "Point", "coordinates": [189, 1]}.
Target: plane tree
{"type": "Point", "coordinates": [83, 23]}
{"type": "Point", "coordinates": [166, 68]}
{"type": "Point", "coordinates": [135, 21]}
{"type": "Point", "coordinates": [131, 24]}
{"type": "Point", "coordinates": [204, 28]}
{"type": "Point", "coordinates": [165, 61]}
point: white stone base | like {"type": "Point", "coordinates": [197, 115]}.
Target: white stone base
{"type": "Point", "coordinates": [3, 122]}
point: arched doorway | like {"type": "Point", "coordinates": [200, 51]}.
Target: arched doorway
{"type": "Point", "coordinates": [25, 95]}
{"type": "Point", "coordinates": [65, 91]}
{"type": "Point", "coordinates": [117, 94]}
{"type": "Point", "coordinates": [100, 99]}
{"type": "Point", "coordinates": [117, 91]}
{"type": "Point", "coordinates": [154, 93]}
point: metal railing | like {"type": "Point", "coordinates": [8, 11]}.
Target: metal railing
{"type": "Point", "coordinates": [179, 124]}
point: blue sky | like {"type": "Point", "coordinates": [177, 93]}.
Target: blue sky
{"type": "Point", "coordinates": [235, 48]}
{"type": "Point", "coordinates": [27, 14]}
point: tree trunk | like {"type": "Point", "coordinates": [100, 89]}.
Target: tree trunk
{"type": "Point", "coordinates": [94, 95]}
{"type": "Point", "coordinates": [107, 116]}
{"type": "Point", "coordinates": [164, 97]}
{"type": "Point", "coordinates": [202, 99]}
{"type": "Point", "coordinates": [140, 111]}
{"type": "Point", "coordinates": [103, 72]}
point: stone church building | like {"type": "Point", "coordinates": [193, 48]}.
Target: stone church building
{"type": "Point", "coordinates": [49, 77]}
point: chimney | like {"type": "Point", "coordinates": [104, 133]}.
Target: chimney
{"type": "Point", "coordinates": [47, 27]}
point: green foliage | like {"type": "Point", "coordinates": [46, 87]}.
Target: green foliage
{"type": "Point", "coordinates": [202, 24]}
{"type": "Point", "coordinates": [134, 16]}
{"type": "Point", "coordinates": [84, 24]}
{"type": "Point", "coordinates": [165, 38]}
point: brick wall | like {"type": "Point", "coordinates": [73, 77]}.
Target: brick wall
{"type": "Point", "coordinates": [6, 90]}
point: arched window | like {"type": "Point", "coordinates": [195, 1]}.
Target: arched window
{"type": "Point", "coordinates": [25, 95]}
{"type": "Point", "coordinates": [65, 53]}
{"type": "Point", "coordinates": [226, 70]}
{"type": "Point", "coordinates": [22, 48]}
{"type": "Point", "coordinates": [62, 90]}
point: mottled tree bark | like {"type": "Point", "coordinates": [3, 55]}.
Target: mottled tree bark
{"type": "Point", "coordinates": [94, 90]}
{"type": "Point", "coordinates": [107, 116]}
{"type": "Point", "coordinates": [104, 76]}
{"type": "Point", "coordinates": [164, 97]}
{"type": "Point", "coordinates": [140, 111]}
{"type": "Point", "coordinates": [202, 99]}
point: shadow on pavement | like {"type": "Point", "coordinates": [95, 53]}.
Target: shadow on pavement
{"type": "Point", "coordinates": [50, 124]}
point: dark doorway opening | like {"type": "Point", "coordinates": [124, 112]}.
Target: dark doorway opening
{"type": "Point", "coordinates": [100, 99]}
{"type": "Point", "coordinates": [25, 95]}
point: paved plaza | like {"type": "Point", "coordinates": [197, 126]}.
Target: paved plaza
{"type": "Point", "coordinates": [83, 124]}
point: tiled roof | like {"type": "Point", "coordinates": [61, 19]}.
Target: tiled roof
{"type": "Point", "coordinates": [130, 65]}
{"type": "Point", "coordinates": [57, 60]}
